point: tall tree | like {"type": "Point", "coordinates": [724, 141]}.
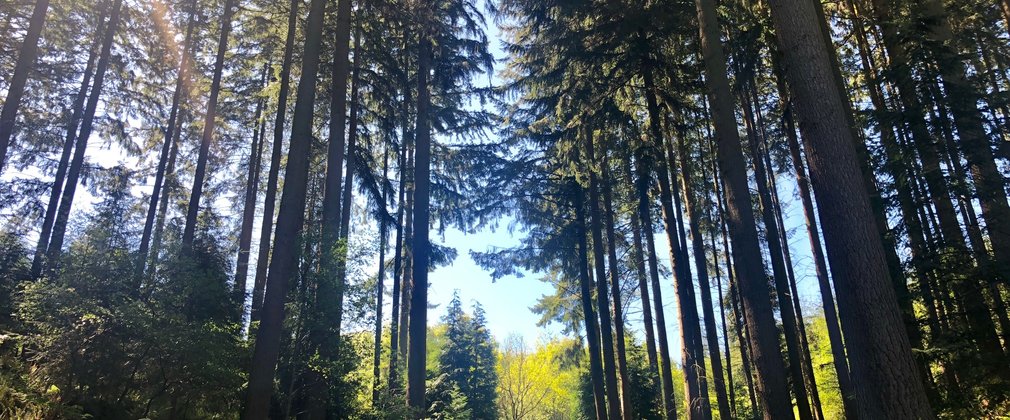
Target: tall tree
{"type": "Point", "coordinates": [16, 89]}
{"type": "Point", "coordinates": [286, 249]}
{"type": "Point", "coordinates": [884, 373]}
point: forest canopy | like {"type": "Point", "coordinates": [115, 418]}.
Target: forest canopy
{"type": "Point", "coordinates": [235, 208]}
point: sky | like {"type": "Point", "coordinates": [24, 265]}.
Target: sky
{"type": "Point", "coordinates": [506, 301]}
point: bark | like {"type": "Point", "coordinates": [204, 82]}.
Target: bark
{"type": "Point", "coordinates": [750, 273]}
{"type": "Point", "coordinates": [284, 263]}
{"type": "Point", "coordinates": [401, 263]}
{"type": "Point", "coordinates": [277, 149]}
{"type": "Point", "coordinates": [38, 261]}
{"type": "Point", "coordinates": [643, 289]}
{"type": "Point", "coordinates": [22, 69]}
{"type": "Point", "coordinates": [615, 289]}
{"type": "Point", "coordinates": [701, 264]}
{"type": "Point", "coordinates": [416, 353]}
{"type": "Point", "coordinates": [588, 312]}
{"type": "Point", "coordinates": [209, 124]}
{"type": "Point", "coordinates": [603, 303]}
{"type": "Point", "coordinates": [884, 372]}
{"type": "Point", "coordinates": [820, 269]}
{"type": "Point", "coordinates": [87, 125]}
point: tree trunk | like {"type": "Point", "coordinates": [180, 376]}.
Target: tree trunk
{"type": "Point", "coordinates": [820, 267]}
{"type": "Point", "coordinates": [785, 301]}
{"type": "Point", "coordinates": [348, 183]}
{"type": "Point", "coordinates": [643, 288]}
{"type": "Point", "coordinates": [615, 289]}
{"type": "Point", "coordinates": [87, 124]}
{"type": "Point", "coordinates": [692, 353]}
{"type": "Point", "coordinates": [249, 207]}
{"type": "Point", "coordinates": [642, 181]}
{"type": "Point", "coordinates": [22, 68]}
{"type": "Point", "coordinates": [693, 214]}
{"type": "Point", "coordinates": [588, 312]}
{"type": "Point", "coordinates": [381, 277]}
{"type": "Point", "coordinates": [209, 124]}
{"type": "Point", "coordinates": [38, 261]}
{"type": "Point", "coordinates": [750, 273]}
{"type": "Point", "coordinates": [394, 328]}
{"type": "Point", "coordinates": [416, 353]}
{"type": "Point", "coordinates": [277, 149]}
{"type": "Point", "coordinates": [603, 303]}
{"type": "Point", "coordinates": [284, 263]}
{"type": "Point", "coordinates": [883, 369]}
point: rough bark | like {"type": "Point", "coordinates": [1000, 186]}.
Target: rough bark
{"type": "Point", "coordinates": [883, 369]}
{"type": "Point", "coordinates": [750, 274]}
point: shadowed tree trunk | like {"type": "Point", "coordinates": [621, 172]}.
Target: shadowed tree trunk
{"type": "Point", "coordinates": [380, 279]}
{"type": "Point", "coordinates": [603, 303]}
{"type": "Point", "coordinates": [277, 149]}
{"type": "Point", "coordinates": [249, 207]}
{"type": "Point", "coordinates": [416, 353]}
{"type": "Point", "coordinates": [698, 245]}
{"type": "Point", "coordinates": [22, 68]}
{"type": "Point", "coordinates": [209, 124]}
{"type": "Point", "coordinates": [615, 288]}
{"type": "Point", "coordinates": [38, 260]}
{"type": "Point", "coordinates": [749, 269]}
{"type": "Point", "coordinates": [284, 263]}
{"type": "Point", "coordinates": [394, 319]}
{"type": "Point", "coordinates": [642, 181]}
{"type": "Point", "coordinates": [87, 125]}
{"type": "Point", "coordinates": [884, 372]}
{"type": "Point", "coordinates": [166, 147]}
{"type": "Point", "coordinates": [588, 312]}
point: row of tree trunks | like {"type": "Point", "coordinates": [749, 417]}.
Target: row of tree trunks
{"type": "Point", "coordinates": [68, 146]}
{"type": "Point", "coordinates": [87, 125]}
{"type": "Point", "coordinates": [588, 312]}
{"type": "Point", "coordinates": [286, 250]}
{"type": "Point", "coordinates": [750, 273]}
{"type": "Point", "coordinates": [273, 174]}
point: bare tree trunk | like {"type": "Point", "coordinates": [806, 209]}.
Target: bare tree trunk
{"type": "Point", "coordinates": [786, 309]}
{"type": "Point", "coordinates": [381, 278]}
{"type": "Point", "coordinates": [249, 207]}
{"type": "Point", "coordinates": [277, 149]}
{"type": "Point", "coordinates": [750, 273]}
{"type": "Point", "coordinates": [38, 261]}
{"type": "Point", "coordinates": [286, 250]}
{"type": "Point", "coordinates": [603, 303]}
{"type": "Point", "coordinates": [642, 181]}
{"type": "Point", "coordinates": [394, 328]}
{"type": "Point", "coordinates": [209, 124]}
{"type": "Point", "coordinates": [615, 288]}
{"type": "Point", "coordinates": [87, 124]}
{"type": "Point", "coordinates": [22, 69]}
{"type": "Point", "coordinates": [883, 369]}
{"type": "Point", "coordinates": [588, 312]}
{"type": "Point", "coordinates": [416, 353]}
{"type": "Point", "coordinates": [698, 245]}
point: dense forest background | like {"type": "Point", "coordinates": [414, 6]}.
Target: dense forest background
{"type": "Point", "coordinates": [225, 208]}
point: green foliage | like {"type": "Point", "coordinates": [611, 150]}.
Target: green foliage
{"type": "Point", "coordinates": [466, 363]}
